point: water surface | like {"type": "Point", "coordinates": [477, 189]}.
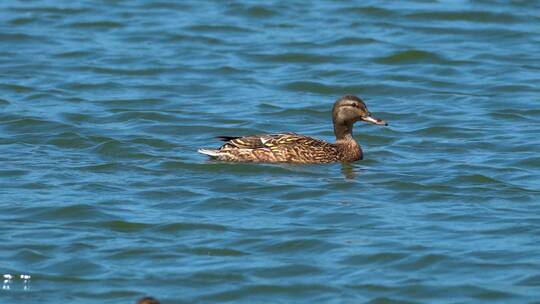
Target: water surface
{"type": "Point", "coordinates": [104, 198]}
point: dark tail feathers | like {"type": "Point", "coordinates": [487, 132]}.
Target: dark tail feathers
{"type": "Point", "coordinates": [227, 138]}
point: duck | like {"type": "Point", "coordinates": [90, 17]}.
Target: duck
{"type": "Point", "coordinates": [295, 148]}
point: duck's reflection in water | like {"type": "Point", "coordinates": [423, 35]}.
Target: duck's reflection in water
{"type": "Point", "coordinates": [350, 171]}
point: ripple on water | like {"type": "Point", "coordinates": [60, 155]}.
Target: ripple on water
{"type": "Point", "coordinates": [94, 25]}
{"type": "Point", "coordinates": [412, 57]}
{"type": "Point", "coordinates": [376, 259]}
{"type": "Point", "coordinates": [205, 277]}
{"type": "Point", "coordinates": [339, 90]}
{"type": "Point", "coordinates": [21, 38]}
{"type": "Point", "coordinates": [70, 140]}
{"type": "Point", "coordinates": [16, 88]}
{"type": "Point", "coordinates": [119, 149]}
{"type": "Point", "coordinates": [175, 228]}
{"type": "Point", "coordinates": [80, 267]}
{"type": "Point", "coordinates": [471, 16]}
{"type": "Point", "coordinates": [353, 41]}
{"type": "Point", "coordinates": [66, 213]}
{"type": "Point", "coordinates": [532, 280]}
{"type": "Point", "coordinates": [295, 58]}
{"type": "Point", "coordinates": [73, 54]}
{"type": "Point", "coordinates": [297, 246]}
{"type": "Point", "coordinates": [253, 11]}
{"type": "Point", "coordinates": [13, 173]}
{"type": "Point", "coordinates": [373, 11]}
{"type": "Point", "coordinates": [213, 251]}
{"type": "Point", "coordinates": [190, 39]}
{"type": "Point", "coordinates": [219, 29]}
{"type": "Point", "coordinates": [310, 292]}
{"type": "Point", "coordinates": [123, 226]}
{"type": "Point", "coordinates": [285, 271]}
{"type": "Point", "coordinates": [30, 256]}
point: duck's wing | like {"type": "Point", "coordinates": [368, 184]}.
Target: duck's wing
{"type": "Point", "coordinates": [270, 141]}
{"type": "Point", "coordinates": [283, 147]}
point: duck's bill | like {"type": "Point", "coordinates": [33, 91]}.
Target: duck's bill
{"type": "Point", "coordinates": [374, 120]}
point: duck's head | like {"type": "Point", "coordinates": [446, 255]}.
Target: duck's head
{"type": "Point", "coordinates": [350, 109]}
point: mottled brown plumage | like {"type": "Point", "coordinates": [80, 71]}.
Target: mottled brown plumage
{"type": "Point", "coordinates": [295, 148]}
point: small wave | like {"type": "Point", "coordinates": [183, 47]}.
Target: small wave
{"type": "Point", "coordinates": [22, 21]}
{"type": "Point", "coordinates": [70, 213]}
{"type": "Point", "coordinates": [530, 280]}
{"type": "Point", "coordinates": [30, 256]}
{"type": "Point", "coordinates": [513, 88]}
{"type": "Point", "coordinates": [206, 276]}
{"type": "Point", "coordinates": [212, 251]}
{"type": "Point", "coordinates": [312, 86]}
{"type": "Point", "coordinates": [132, 103]}
{"type": "Point", "coordinates": [79, 86]}
{"type": "Point", "coordinates": [446, 131]}
{"type": "Point", "coordinates": [12, 173]}
{"type": "Point", "coordinates": [227, 70]}
{"type": "Point", "coordinates": [77, 266]}
{"type": "Point", "coordinates": [52, 10]}
{"type": "Point", "coordinates": [153, 142]}
{"type": "Point", "coordinates": [129, 72]}
{"type": "Point", "coordinates": [95, 25]}
{"type": "Point", "coordinates": [109, 167]}
{"type": "Point", "coordinates": [412, 57]}
{"type": "Point", "coordinates": [384, 258]}
{"type": "Point", "coordinates": [20, 37]}
{"type": "Point", "coordinates": [353, 41]}
{"type": "Point", "coordinates": [255, 11]}
{"type": "Point", "coordinates": [471, 16]}
{"type": "Point", "coordinates": [368, 11]}
{"type": "Point", "coordinates": [31, 125]}
{"type": "Point", "coordinates": [16, 88]}
{"type": "Point", "coordinates": [295, 58]}
{"type": "Point", "coordinates": [150, 116]}
{"type": "Point", "coordinates": [338, 89]}
{"type": "Point", "coordinates": [294, 292]}
{"type": "Point", "coordinates": [415, 263]}
{"type": "Point", "coordinates": [69, 140]}
{"type": "Point", "coordinates": [116, 148]}
{"type": "Point", "coordinates": [123, 226]}
{"type": "Point", "coordinates": [189, 227]}
{"type": "Point", "coordinates": [166, 5]}
{"type": "Point", "coordinates": [297, 245]}
{"type": "Point", "coordinates": [205, 40]}
{"type": "Point", "coordinates": [286, 271]}
{"type": "Point", "coordinates": [219, 29]}
{"type": "Point", "coordinates": [529, 162]}
{"type": "Point", "coordinates": [476, 179]}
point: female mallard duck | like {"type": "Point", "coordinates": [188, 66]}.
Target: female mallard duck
{"type": "Point", "coordinates": [295, 148]}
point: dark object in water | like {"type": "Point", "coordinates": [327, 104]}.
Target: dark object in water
{"type": "Point", "coordinates": [296, 148]}
{"type": "Point", "coordinates": [148, 300]}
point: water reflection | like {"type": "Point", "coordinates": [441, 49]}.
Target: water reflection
{"type": "Point", "coordinates": [349, 171]}
{"type": "Point", "coordinates": [9, 278]}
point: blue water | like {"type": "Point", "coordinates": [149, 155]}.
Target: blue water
{"type": "Point", "coordinates": [104, 199]}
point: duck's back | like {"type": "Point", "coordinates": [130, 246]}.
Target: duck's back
{"type": "Point", "coordinates": [285, 147]}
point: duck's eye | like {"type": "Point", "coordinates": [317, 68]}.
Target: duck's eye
{"type": "Point", "coordinates": [354, 105]}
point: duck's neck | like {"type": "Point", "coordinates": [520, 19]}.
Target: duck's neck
{"type": "Point", "coordinates": [343, 130]}
{"type": "Point", "coordinates": [348, 148]}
